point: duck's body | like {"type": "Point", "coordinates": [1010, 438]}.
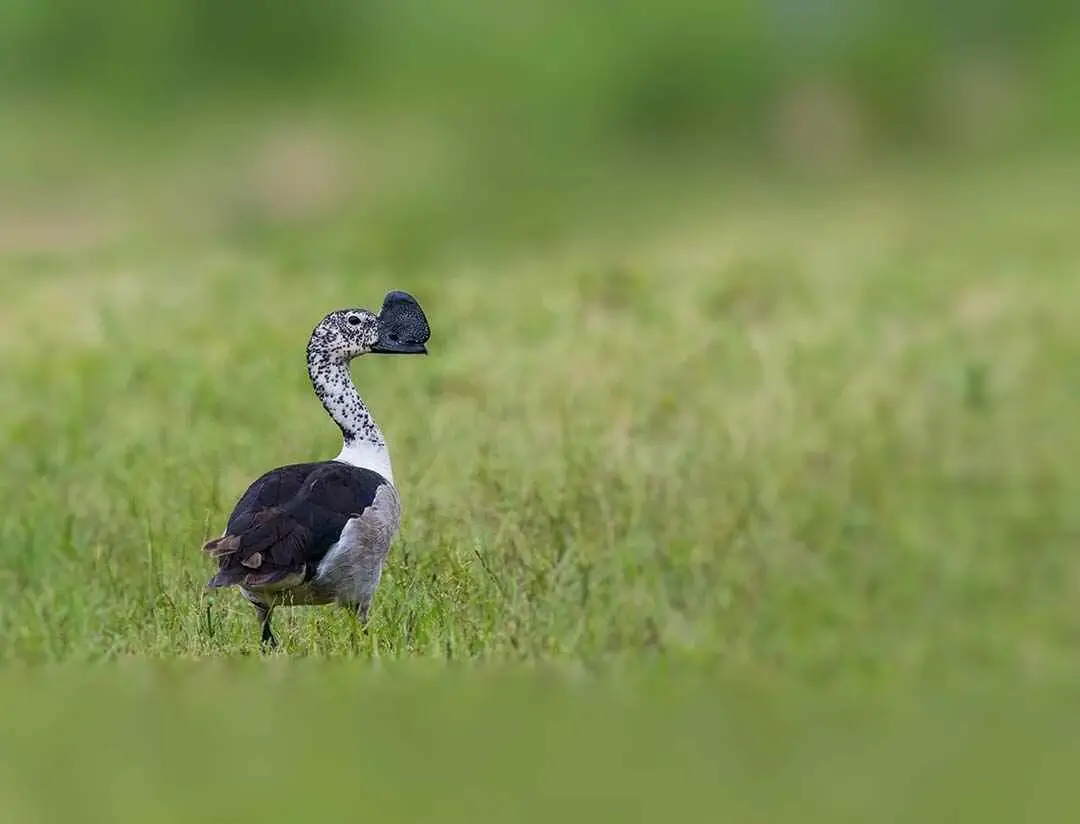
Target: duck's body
{"type": "Point", "coordinates": [322, 531]}
{"type": "Point", "coordinates": [319, 533]}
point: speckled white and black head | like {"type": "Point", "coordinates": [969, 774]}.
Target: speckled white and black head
{"type": "Point", "coordinates": [400, 328]}
{"type": "Point", "coordinates": [319, 532]}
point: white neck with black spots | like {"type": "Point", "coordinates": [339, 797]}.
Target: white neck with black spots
{"type": "Point", "coordinates": [363, 443]}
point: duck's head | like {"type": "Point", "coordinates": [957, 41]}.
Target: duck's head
{"type": "Point", "coordinates": [400, 328]}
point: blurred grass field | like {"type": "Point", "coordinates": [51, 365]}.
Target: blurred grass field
{"type": "Point", "coordinates": [134, 743]}
{"type": "Point", "coordinates": [828, 436]}
{"type": "Point", "coordinates": [747, 495]}
{"type": "Point", "coordinates": [740, 482]}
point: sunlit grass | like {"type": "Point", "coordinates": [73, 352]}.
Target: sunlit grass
{"type": "Point", "coordinates": [828, 439]}
{"type": "Point", "coordinates": [806, 439]}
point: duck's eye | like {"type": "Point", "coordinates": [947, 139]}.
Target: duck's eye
{"type": "Point", "coordinates": [354, 320]}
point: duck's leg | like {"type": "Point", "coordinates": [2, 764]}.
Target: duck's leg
{"type": "Point", "coordinates": [358, 611]}
{"type": "Point", "coordinates": [357, 629]}
{"type": "Point", "coordinates": [265, 612]}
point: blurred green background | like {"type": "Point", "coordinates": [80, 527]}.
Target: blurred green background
{"type": "Point", "coordinates": [838, 453]}
{"type": "Point", "coordinates": [580, 77]}
{"type": "Point", "coordinates": [450, 118]}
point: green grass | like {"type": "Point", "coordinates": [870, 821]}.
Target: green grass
{"type": "Point", "coordinates": [247, 742]}
{"type": "Point", "coordinates": [803, 440]}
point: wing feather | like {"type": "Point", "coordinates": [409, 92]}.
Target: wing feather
{"type": "Point", "coordinates": [287, 520]}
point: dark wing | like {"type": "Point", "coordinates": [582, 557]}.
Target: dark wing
{"type": "Point", "coordinates": [276, 488]}
{"type": "Point", "coordinates": [286, 522]}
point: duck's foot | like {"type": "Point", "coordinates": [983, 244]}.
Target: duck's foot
{"type": "Point", "coordinates": [268, 642]}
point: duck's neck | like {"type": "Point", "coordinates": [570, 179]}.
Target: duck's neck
{"type": "Point", "coordinates": [362, 441]}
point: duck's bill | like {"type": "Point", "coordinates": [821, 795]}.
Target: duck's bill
{"type": "Point", "coordinates": [403, 327]}
{"type": "Point", "coordinates": [397, 347]}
